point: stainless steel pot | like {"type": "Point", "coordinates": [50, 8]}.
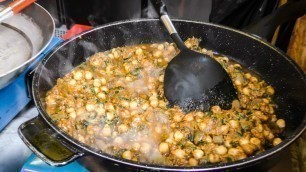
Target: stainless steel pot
{"type": "Point", "coordinates": [41, 18]}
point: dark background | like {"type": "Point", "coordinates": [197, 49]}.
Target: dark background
{"type": "Point", "coordinates": [233, 13]}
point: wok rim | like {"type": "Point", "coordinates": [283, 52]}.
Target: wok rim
{"type": "Point", "coordinates": [218, 166]}
{"type": "Point", "coordinates": [33, 57]}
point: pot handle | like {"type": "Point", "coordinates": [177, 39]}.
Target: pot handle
{"type": "Point", "coordinates": [46, 143]}
{"type": "Point", "coordinates": [266, 27]}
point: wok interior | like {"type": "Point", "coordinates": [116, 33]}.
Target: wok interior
{"type": "Point", "coordinates": [271, 66]}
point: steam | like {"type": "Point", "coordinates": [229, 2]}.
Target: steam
{"type": "Point", "coordinates": [77, 51]}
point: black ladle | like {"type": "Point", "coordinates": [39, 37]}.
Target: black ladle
{"type": "Point", "coordinates": [194, 81]}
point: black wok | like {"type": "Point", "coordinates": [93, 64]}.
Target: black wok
{"type": "Point", "coordinates": [55, 147]}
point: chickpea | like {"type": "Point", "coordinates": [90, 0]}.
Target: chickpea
{"type": "Point", "coordinates": [202, 126]}
{"type": "Point", "coordinates": [246, 91]}
{"type": "Point", "coordinates": [160, 47]}
{"type": "Point", "coordinates": [248, 75]}
{"type": "Point", "coordinates": [171, 48]}
{"type": "Point", "coordinates": [237, 66]}
{"type": "Point", "coordinates": [213, 158]}
{"type": "Point", "coordinates": [125, 114]}
{"type": "Point", "coordinates": [248, 148]}
{"type": "Point", "coordinates": [100, 110]}
{"type": "Point", "coordinates": [260, 115]}
{"type": "Point", "coordinates": [95, 62]}
{"type": "Point", "coordinates": [72, 115]}
{"type": "Point", "coordinates": [270, 90]}
{"type": "Point", "coordinates": [122, 128]}
{"type": "Point", "coordinates": [109, 106]}
{"type": "Point", "coordinates": [81, 138]}
{"type": "Point", "coordinates": [72, 82]}
{"type": "Point", "coordinates": [218, 139]}
{"type": "Point", "coordinates": [78, 75]}
{"type": "Point", "coordinates": [198, 153]}
{"type": "Point", "coordinates": [118, 140]}
{"type": "Point", "coordinates": [90, 107]}
{"type": "Point", "coordinates": [221, 150]}
{"type": "Point", "coordinates": [216, 109]}
{"type": "Point", "coordinates": [139, 51]}
{"type": "Point", "coordinates": [208, 139]}
{"type": "Point", "coordinates": [145, 106]}
{"type": "Point", "coordinates": [90, 129]}
{"type": "Point", "coordinates": [96, 89]}
{"type": "Point", "coordinates": [88, 75]}
{"type": "Point", "coordinates": [188, 117]}
{"type": "Point", "coordinates": [237, 153]}
{"type": "Point", "coordinates": [227, 143]}
{"type": "Point", "coordinates": [103, 81]}
{"type": "Point", "coordinates": [253, 79]}
{"type": "Point", "coordinates": [136, 146]}
{"type": "Point", "coordinates": [268, 135]}
{"type": "Point", "coordinates": [277, 141]}
{"type": "Point", "coordinates": [162, 104]}
{"type": "Point", "coordinates": [69, 110]}
{"type": "Point", "coordinates": [127, 155]}
{"type": "Point", "coordinates": [179, 153]}
{"type": "Point", "coordinates": [116, 54]}
{"type": "Point", "coordinates": [97, 83]}
{"type": "Point", "coordinates": [161, 78]}
{"type": "Point", "coordinates": [106, 131]}
{"type": "Point", "coordinates": [80, 111]}
{"type": "Point", "coordinates": [259, 128]}
{"type": "Point", "coordinates": [273, 118]}
{"type": "Point", "coordinates": [128, 79]}
{"type": "Point", "coordinates": [163, 147]}
{"type": "Point", "coordinates": [177, 118]}
{"type": "Point", "coordinates": [199, 114]}
{"type": "Point", "coordinates": [281, 123]}
{"type": "Point", "coordinates": [234, 124]}
{"type": "Point", "coordinates": [101, 95]}
{"type": "Point", "coordinates": [158, 129]}
{"type": "Point", "coordinates": [110, 55]}
{"type": "Point", "coordinates": [178, 135]}
{"type": "Point", "coordinates": [244, 141]}
{"type": "Point", "coordinates": [157, 53]}
{"type": "Point", "coordinates": [110, 116]}
{"type": "Point", "coordinates": [193, 162]}
{"type": "Point", "coordinates": [188, 44]}
{"type": "Point", "coordinates": [237, 82]}
{"type": "Point", "coordinates": [133, 105]}
{"type": "Point", "coordinates": [255, 141]}
{"type": "Point", "coordinates": [154, 102]}
{"type": "Point", "coordinates": [224, 129]}
{"type": "Point", "coordinates": [104, 88]}
{"type": "Point", "coordinates": [145, 148]}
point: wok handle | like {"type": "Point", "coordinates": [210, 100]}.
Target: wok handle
{"type": "Point", "coordinates": [46, 143]}
{"type": "Point", "coordinates": [161, 10]}
{"type": "Point", "coordinates": [266, 27]}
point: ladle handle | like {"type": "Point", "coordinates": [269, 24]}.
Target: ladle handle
{"type": "Point", "coordinates": [161, 9]}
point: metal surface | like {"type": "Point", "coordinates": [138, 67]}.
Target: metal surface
{"type": "Point", "coordinates": [271, 64]}
{"type": "Point", "coordinates": [15, 47]}
{"type": "Point", "coordinates": [44, 21]}
{"type": "Point", "coordinates": [168, 24]}
{"type": "Point", "coordinates": [45, 143]}
{"type": "Point", "coordinates": [15, 97]}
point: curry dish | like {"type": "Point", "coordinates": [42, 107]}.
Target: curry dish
{"type": "Point", "coordinates": [114, 103]}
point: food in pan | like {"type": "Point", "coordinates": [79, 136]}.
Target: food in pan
{"type": "Point", "coordinates": [114, 103]}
